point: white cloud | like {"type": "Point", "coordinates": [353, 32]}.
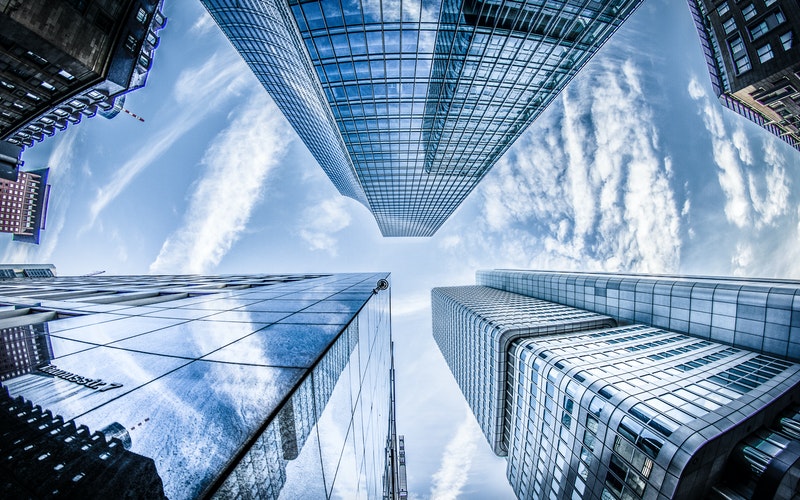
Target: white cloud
{"type": "Point", "coordinates": [742, 259]}
{"type": "Point", "coordinates": [203, 25]}
{"type": "Point", "coordinates": [696, 90]}
{"type": "Point", "coordinates": [586, 186]}
{"type": "Point", "coordinates": [775, 186]}
{"type": "Point", "coordinates": [410, 304]}
{"type": "Point", "coordinates": [728, 155]}
{"type": "Point", "coordinates": [450, 241]}
{"type": "Point", "coordinates": [197, 92]}
{"type": "Point", "coordinates": [236, 166]}
{"type": "Point", "coordinates": [742, 145]}
{"type": "Point", "coordinates": [60, 162]}
{"type": "Point", "coordinates": [758, 194]}
{"type": "Point", "coordinates": [321, 222]}
{"type": "Point", "coordinates": [755, 196]}
{"type": "Point", "coordinates": [456, 461]}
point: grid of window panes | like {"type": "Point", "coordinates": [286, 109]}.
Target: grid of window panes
{"type": "Point", "coordinates": [762, 315]}
{"type": "Point", "coordinates": [18, 202]}
{"type": "Point", "coordinates": [426, 96]}
{"type": "Point", "coordinates": [473, 327]}
{"type": "Point", "coordinates": [262, 33]}
{"type": "Point", "coordinates": [346, 405]}
{"type": "Point", "coordinates": [22, 348]}
{"type": "Point", "coordinates": [258, 384]}
{"type": "Point", "coordinates": [541, 427]}
{"type": "Point", "coordinates": [662, 382]}
{"type": "Point", "coordinates": [656, 366]}
{"type": "Point", "coordinates": [753, 20]}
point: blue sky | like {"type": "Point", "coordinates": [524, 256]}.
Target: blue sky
{"type": "Point", "coordinates": [635, 167]}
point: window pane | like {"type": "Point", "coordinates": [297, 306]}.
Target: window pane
{"type": "Point", "coordinates": [765, 53]}
{"type": "Point", "coordinates": [749, 12]}
{"type": "Point", "coordinates": [729, 25]}
{"type": "Point", "coordinates": [786, 40]}
{"type": "Point", "coordinates": [758, 30]}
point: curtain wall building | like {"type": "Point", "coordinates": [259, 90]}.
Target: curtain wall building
{"type": "Point", "coordinates": [196, 386]}
{"type": "Point", "coordinates": [606, 386]}
{"type": "Point", "coordinates": [407, 105]}
{"type": "Point", "coordinates": [753, 55]}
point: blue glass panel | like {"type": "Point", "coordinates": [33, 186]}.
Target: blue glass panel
{"type": "Point", "coordinates": [332, 72]}
{"type": "Point", "coordinates": [323, 46]}
{"type": "Point", "coordinates": [341, 47]}
{"type": "Point", "coordinates": [333, 13]}
{"type": "Point", "coordinates": [297, 345]}
{"type": "Point", "coordinates": [298, 15]}
{"type": "Point", "coordinates": [103, 333]}
{"type": "Point", "coordinates": [352, 12]}
{"type": "Point", "coordinates": [375, 42]}
{"type": "Point", "coordinates": [279, 305]}
{"type": "Point", "coordinates": [119, 371]}
{"type": "Point", "coordinates": [358, 43]}
{"type": "Point", "coordinates": [313, 15]}
{"type": "Point", "coordinates": [79, 321]}
{"type": "Point", "coordinates": [191, 340]}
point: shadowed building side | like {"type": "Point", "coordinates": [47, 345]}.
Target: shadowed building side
{"type": "Point", "coordinates": [752, 51]}
{"type": "Point", "coordinates": [62, 61]}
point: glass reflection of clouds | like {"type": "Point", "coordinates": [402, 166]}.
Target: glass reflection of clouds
{"type": "Point", "coordinates": [194, 419]}
{"type": "Point", "coordinates": [268, 388]}
{"type": "Point", "coordinates": [407, 104]}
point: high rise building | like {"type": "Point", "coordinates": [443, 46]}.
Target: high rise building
{"type": "Point", "coordinates": [395, 485]}
{"type": "Point", "coordinates": [62, 61]}
{"type": "Point", "coordinates": [755, 314]}
{"type": "Point", "coordinates": [586, 401]}
{"type": "Point", "coordinates": [752, 52]}
{"type": "Point", "coordinates": [230, 386]}
{"type": "Point", "coordinates": [23, 205]}
{"type": "Point", "coordinates": [407, 105]}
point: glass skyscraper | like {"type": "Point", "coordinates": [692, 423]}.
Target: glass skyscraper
{"type": "Point", "coordinates": [406, 105]}
{"type": "Point", "coordinates": [254, 386]}
{"type": "Point", "coordinates": [588, 402]}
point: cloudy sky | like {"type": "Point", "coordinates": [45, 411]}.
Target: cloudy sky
{"type": "Point", "coordinates": [636, 167]}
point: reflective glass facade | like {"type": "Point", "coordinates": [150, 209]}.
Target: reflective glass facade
{"type": "Point", "coordinates": [232, 386]}
{"type": "Point", "coordinates": [622, 412]}
{"type": "Point", "coordinates": [406, 105]}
